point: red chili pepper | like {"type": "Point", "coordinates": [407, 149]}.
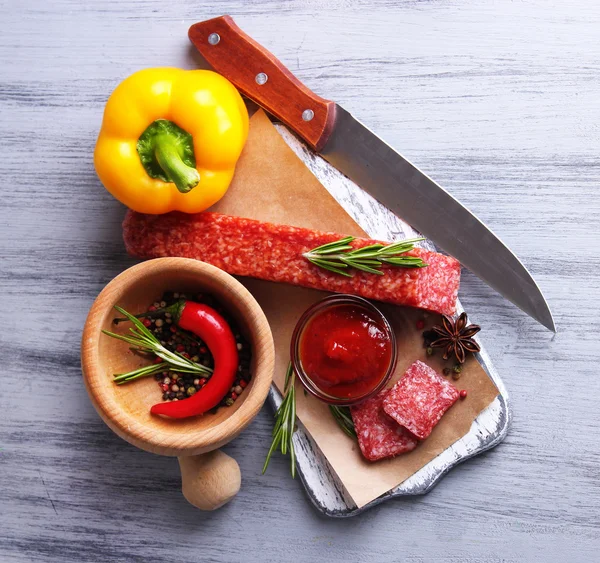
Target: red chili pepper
{"type": "Point", "coordinates": [212, 329]}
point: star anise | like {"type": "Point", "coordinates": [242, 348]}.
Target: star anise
{"type": "Point", "coordinates": [456, 337]}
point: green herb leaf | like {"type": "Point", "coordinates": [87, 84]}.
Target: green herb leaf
{"type": "Point", "coordinates": [144, 371]}
{"type": "Point", "coordinates": [344, 419]}
{"type": "Point", "coordinates": [285, 424]}
{"type": "Point", "coordinates": [145, 341]}
{"type": "Point", "coordinates": [336, 269]}
{"type": "Point", "coordinates": [360, 265]}
{"type": "Point", "coordinates": [335, 244]}
{"type": "Point", "coordinates": [338, 256]}
{"type": "Point", "coordinates": [405, 262]}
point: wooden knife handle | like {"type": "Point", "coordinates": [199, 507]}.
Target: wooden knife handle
{"type": "Point", "coordinates": [264, 79]}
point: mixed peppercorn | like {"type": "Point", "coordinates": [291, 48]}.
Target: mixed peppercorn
{"type": "Point", "coordinates": [177, 386]}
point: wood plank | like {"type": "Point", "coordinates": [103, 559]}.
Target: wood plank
{"type": "Point", "coordinates": [499, 101]}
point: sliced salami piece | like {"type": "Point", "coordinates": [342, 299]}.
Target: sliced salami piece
{"type": "Point", "coordinates": [378, 435]}
{"type": "Point", "coordinates": [246, 247]}
{"type": "Point", "coordinates": [420, 399]}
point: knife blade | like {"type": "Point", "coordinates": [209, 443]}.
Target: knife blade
{"type": "Point", "coordinates": [369, 162]}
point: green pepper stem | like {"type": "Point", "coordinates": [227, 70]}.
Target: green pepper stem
{"type": "Point", "coordinates": [167, 155]}
{"type": "Point", "coordinates": [166, 152]}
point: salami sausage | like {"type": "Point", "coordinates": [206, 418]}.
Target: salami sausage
{"type": "Point", "coordinates": [247, 247]}
{"type": "Point", "coordinates": [420, 399]}
{"type": "Point", "coordinates": [378, 435]}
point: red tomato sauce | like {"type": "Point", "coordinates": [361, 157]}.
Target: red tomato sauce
{"type": "Point", "coordinates": [345, 350]}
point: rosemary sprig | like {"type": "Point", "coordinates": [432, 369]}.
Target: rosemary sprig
{"type": "Point", "coordinates": [339, 255]}
{"type": "Point", "coordinates": [120, 378]}
{"type": "Point", "coordinates": [285, 423]}
{"type": "Point", "coordinates": [142, 340]}
{"type": "Point", "coordinates": [344, 419]}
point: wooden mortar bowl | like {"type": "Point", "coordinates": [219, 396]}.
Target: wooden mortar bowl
{"type": "Point", "coordinates": [209, 478]}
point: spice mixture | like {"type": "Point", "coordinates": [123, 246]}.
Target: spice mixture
{"type": "Point", "coordinates": [178, 386]}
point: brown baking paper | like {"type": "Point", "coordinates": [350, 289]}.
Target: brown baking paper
{"type": "Point", "coordinates": [272, 184]}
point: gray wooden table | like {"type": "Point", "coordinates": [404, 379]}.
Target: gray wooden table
{"type": "Point", "coordinates": [498, 100]}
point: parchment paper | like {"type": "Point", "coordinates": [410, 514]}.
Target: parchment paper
{"type": "Point", "coordinates": [272, 184]}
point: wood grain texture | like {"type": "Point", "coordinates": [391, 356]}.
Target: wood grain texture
{"type": "Point", "coordinates": [126, 408]}
{"type": "Point", "coordinates": [211, 480]}
{"type": "Point", "coordinates": [499, 101]}
{"type": "Point", "coordinates": [487, 431]}
{"type": "Point", "coordinates": [264, 79]}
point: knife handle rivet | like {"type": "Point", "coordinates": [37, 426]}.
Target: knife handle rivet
{"type": "Point", "coordinates": [261, 78]}
{"type": "Point", "coordinates": [214, 38]}
{"type": "Point", "coordinates": [308, 114]}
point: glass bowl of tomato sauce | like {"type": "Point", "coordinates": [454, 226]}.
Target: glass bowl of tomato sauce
{"type": "Point", "coordinates": [343, 350]}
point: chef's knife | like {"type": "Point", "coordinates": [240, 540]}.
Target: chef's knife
{"type": "Point", "coordinates": [367, 160]}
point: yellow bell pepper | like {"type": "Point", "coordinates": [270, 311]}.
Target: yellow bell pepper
{"type": "Point", "coordinates": [170, 140]}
